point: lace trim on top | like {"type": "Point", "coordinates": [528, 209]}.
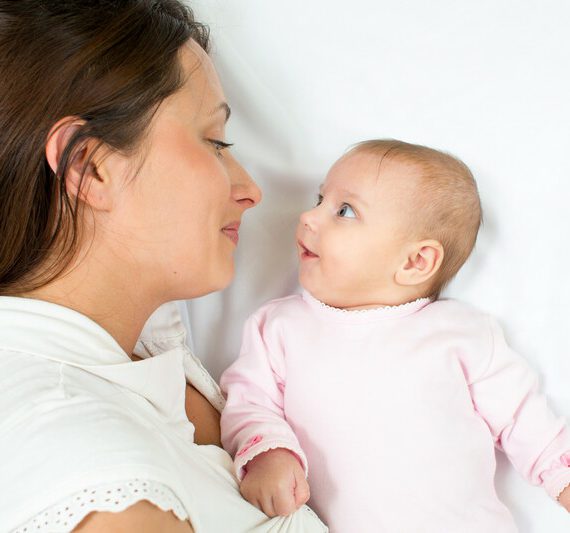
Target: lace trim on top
{"type": "Point", "coordinates": [365, 315]}
{"type": "Point", "coordinates": [115, 497]}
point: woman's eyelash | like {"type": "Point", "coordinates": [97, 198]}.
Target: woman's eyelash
{"type": "Point", "coordinates": [219, 145]}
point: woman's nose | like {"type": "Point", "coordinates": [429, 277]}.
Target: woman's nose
{"type": "Point", "coordinates": [244, 190]}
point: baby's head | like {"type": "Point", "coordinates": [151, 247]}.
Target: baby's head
{"type": "Point", "coordinates": [394, 222]}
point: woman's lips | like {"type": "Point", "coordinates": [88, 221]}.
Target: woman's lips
{"type": "Point", "coordinates": [231, 231]}
{"type": "Point", "coordinates": [305, 252]}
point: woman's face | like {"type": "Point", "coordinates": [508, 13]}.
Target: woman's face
{"type": "Point", "coordinates": [177, 220]}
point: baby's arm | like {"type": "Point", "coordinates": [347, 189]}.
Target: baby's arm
{"type": "Point", "coordinates": [536, 441]}
{"type": "Point", "coordinates": [268, 458]}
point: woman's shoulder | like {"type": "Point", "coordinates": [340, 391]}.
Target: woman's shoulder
{"type": "Point", "coordinates": [63, 430]}
{"type": "Point", "coordinates": [118, 506]}
{"type": "Point", "coordinates": [154, 519]}
{"type": "Point", "coordinates": [64, 408]}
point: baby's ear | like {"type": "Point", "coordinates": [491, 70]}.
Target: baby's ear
{"type": "Point", "coordinates": [422, 261]}
{"type": "Point", "coordinates": [83, 178]}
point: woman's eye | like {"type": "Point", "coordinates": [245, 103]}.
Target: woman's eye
{"type": "Point", "coordinates": [219, 146]}
{"type": "Point", "coordinates": [346, 211]}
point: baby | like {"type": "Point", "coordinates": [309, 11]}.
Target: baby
{"type": "Point", "coordinates": [390, 400]}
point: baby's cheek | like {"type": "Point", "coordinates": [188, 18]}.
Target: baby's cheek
{"type": "Point", "coordinates": [345, 261]}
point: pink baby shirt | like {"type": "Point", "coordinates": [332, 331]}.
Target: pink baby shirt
{"type": "Point", "coordinates": [394, 413]}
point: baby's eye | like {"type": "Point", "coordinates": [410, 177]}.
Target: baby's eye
{"type": "Point", "coordinates": [346, 211]}
{"type": "Point", "coordinates": [319, 200]}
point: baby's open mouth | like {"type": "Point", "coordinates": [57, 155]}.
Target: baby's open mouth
{"type": "Point", "coordinates": [305, 252]}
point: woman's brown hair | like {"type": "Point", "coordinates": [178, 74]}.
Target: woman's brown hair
{"type": "Point", "coordinates": [107, 63]}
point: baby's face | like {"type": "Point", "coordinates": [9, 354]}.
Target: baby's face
{"type": "Point", "coordinates": [352, 242]}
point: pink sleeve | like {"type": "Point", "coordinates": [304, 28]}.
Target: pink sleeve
{"type": "Point", "coordinates": [536, 441]}
{"type": "Point", "coordinates": [253, 420]}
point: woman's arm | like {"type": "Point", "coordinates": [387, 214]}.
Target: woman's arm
{"type": "Point", "coordinates": [142, 517]}
{"type": "Point", "coordinates": [205, 418]}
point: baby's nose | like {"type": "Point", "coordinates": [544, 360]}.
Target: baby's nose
{"type": "Point", "coordinates": [308, 219]}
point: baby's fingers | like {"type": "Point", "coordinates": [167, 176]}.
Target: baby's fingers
{"type": "Point", "coordinates": [266, 505]}
{"type": "Point", "coordinates": [254, 494]}
{"type": "Point", "coordinates": [302, 492]}
{"type": "Point", "coordinates": [283, 503]}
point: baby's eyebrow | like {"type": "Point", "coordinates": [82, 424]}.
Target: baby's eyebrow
{"type": "Point", "coordinates": [346, 193]}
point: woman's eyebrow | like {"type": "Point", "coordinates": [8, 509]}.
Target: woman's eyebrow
{"type": "Point", "coordinates": [222, 107]}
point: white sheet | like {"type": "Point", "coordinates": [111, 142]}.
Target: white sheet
{"type": "Point", "coordinates": [486, 80]}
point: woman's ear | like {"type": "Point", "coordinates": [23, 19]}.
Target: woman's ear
{"type": "Point", "coordinates": [83, 180]}
{"type": "Point", "coordinates": [423, 260]}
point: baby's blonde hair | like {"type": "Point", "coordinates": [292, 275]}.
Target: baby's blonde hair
{"type": "Point", "coordinates": [445, 203]}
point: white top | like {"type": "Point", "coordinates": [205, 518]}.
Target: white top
{"type": "Point", "coordinates": [77, 415]}
{"type": "Point", "coordinates": [113, 497]}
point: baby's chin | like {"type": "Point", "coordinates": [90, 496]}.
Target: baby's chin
{"type": "Point", "coordinates": [333, 296]}
{"type": "Point", "coordinates": [322, 296]}
{"type": "Point", "coordinates": [338, 301]}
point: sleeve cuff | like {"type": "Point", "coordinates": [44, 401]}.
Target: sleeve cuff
{"type": "Point", "coordinates": [557, 482]}
{"type": "Point", "coordinates": [256, 447]}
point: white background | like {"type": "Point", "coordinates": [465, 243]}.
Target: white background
{"type": "Point", "coordinates": [487, 80]}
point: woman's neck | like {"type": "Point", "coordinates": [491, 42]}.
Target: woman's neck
{"type": "Point", "coordinates": [113, 297]}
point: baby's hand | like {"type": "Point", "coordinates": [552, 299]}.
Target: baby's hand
{"type": "Point", "coordinates": [275, 483]}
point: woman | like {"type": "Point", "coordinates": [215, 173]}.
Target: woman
{"type": "Point", "coordinates": [118, 195]}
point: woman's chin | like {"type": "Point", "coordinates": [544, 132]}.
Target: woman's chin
{"type": "Point", "coordinates": [192, 287]}
{"type": "Point", "coordinates": [226, 283]}
{"type": "Point", "coordinates": [219, 282]}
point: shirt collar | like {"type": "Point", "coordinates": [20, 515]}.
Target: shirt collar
{"type": "Point", "coordinates": [360, 316]}
{"type": "Point", "coordinates": [55, 332]}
